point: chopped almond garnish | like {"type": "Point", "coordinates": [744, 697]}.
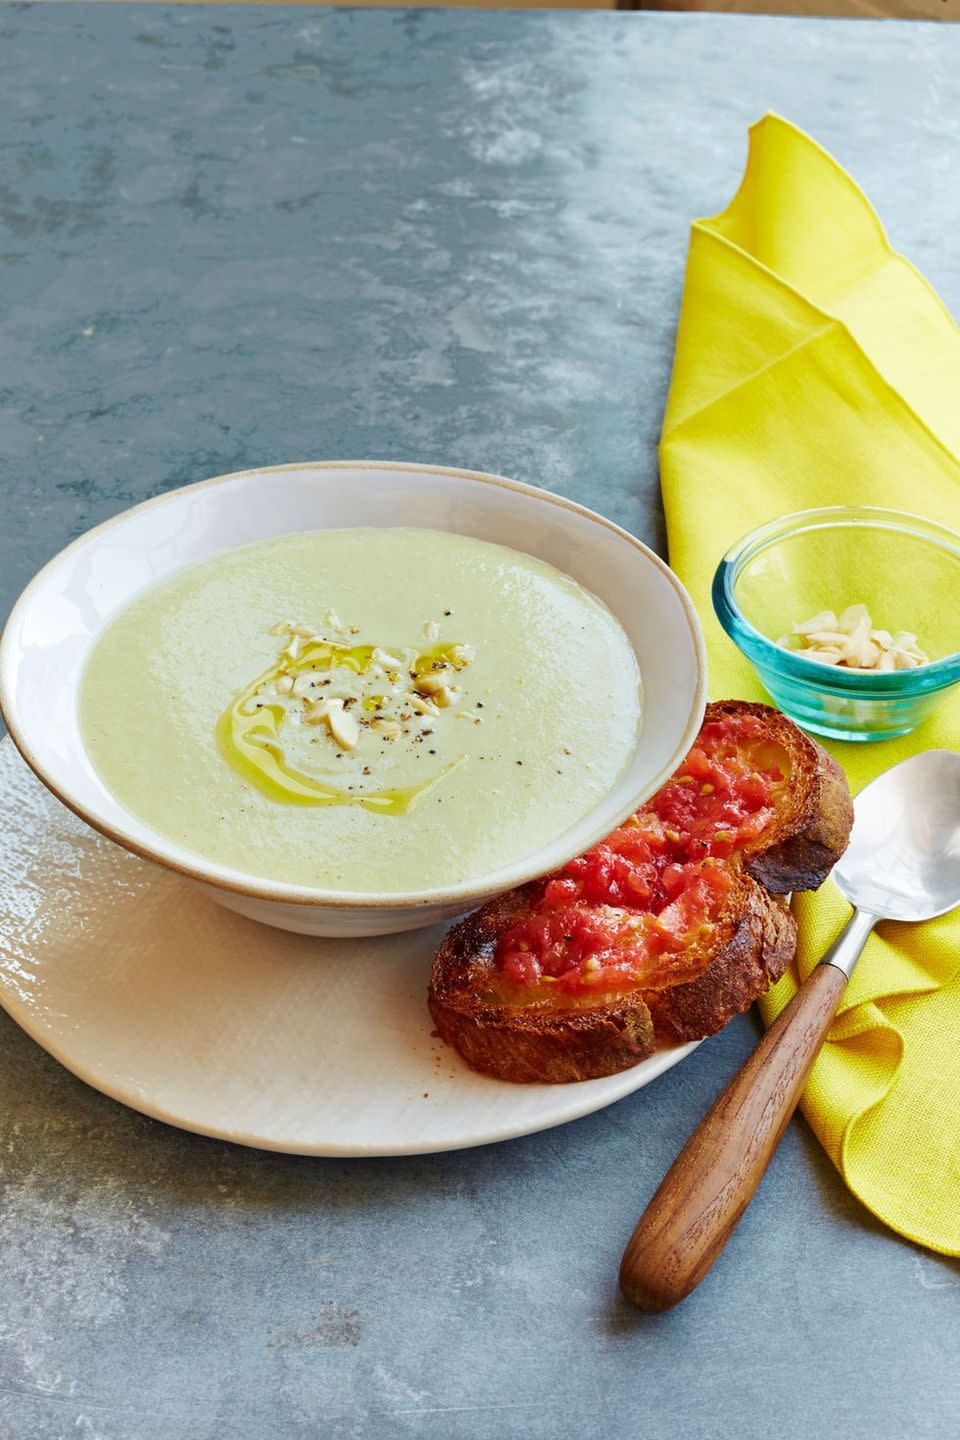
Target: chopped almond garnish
{"type": "Point", "coordinates": [316, 677]}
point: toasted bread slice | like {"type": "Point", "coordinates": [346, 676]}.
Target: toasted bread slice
{"type": "Point", "coordinates": [660, 933]}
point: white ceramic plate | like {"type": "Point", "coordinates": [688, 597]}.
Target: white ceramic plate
{"type": "Point", "coordinates": [132, 978]}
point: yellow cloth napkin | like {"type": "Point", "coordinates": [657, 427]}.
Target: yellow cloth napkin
{"type": "Point", "coordinates": [815, 366]}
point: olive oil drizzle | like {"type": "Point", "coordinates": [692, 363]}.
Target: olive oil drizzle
{"type": "Point", "coordinates": [249, 739]}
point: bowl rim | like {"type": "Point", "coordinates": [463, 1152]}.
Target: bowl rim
{"type": "Point", "coordinates": [469, 892]}
{"type": "Point", "coordinates": [934, 675]}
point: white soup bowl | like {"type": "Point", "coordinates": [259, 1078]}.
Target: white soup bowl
{"type": "Point", "coordinates": [60, 615]}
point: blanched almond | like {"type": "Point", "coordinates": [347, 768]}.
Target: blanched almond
{"type": "Point", "coordinates": [831, 638]}
{"type": "Point", "coordinates": [904, 640]}
{"type": "Point", "coordinates": [432, 630]}
{"type": "Point", "coordinates": [343, 727]}
{"type": "Point", "coordinates": [389, 729]}
{"type": "Point", "coordinates": [856, 639]}
{"type": "Point", "coordinates": [318, 712]}
{"type": "Point", "coordinates": [421, 705]}
{"type": "Point", "coordinates": [823, 620]}
{"type": "Point", "coordinates": [433, 681]}
{"type": "Point", "coordinates": [852, 618]}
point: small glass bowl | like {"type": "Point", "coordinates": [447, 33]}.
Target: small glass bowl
{"type": "Point", "coordinates": [906, 571]}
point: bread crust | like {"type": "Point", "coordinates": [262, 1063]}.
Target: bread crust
{"type": "Point", "coordinates": [802, 848]}
{"type": "Point", "coordinates": [754, 941]}
{"type": "Point", "coordinates": [532, 1049]}
{"type": "Point", "coordinates": [762, 942]}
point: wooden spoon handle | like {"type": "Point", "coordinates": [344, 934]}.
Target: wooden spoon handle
{"type": "Point", "coordinates": [708, 1186]}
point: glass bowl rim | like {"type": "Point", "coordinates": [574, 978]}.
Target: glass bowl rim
{"type": "Point", "coordinates": [754, 643]}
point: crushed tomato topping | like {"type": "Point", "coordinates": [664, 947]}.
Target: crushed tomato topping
{"type": "Point", "coordinates": [656, 885]}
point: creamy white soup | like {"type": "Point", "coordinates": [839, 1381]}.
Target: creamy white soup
{"type": "Point", "coordinates": [376, 711]}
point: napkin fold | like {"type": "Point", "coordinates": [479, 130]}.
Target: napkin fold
{"type": "Point", "coordinates": [815, 366]}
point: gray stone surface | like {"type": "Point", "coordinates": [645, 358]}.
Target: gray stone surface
{"type": "Point", "coordinates": [231, 236]}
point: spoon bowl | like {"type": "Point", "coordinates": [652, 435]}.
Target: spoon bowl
{"type": "Point", "coordinates": [903, 860]}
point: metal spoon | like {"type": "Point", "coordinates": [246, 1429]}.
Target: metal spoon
{"type": "Point", "coordinates": [903, 863]}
